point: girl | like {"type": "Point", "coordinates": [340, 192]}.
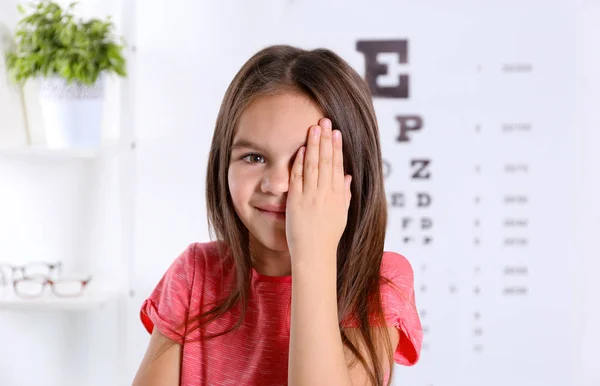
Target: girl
{"type": "Point", "coordinates": [296, 289]}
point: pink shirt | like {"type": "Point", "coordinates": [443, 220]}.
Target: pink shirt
{"type": "Point", "coordinates": [257, 352]}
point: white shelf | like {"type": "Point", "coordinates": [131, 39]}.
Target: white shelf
{"type": "Point", "coordinates": [66, 153]}
{"type": "Point", "coordinates": [50, 302]}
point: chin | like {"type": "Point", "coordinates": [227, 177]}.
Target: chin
{"type": "Point", "coordinates": [275, 241]}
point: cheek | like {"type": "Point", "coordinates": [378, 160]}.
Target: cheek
{"type": "Point", "coordinates": [241, 185]}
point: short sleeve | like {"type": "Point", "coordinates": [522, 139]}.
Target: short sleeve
{"type": "Point", "coordinates": [399, 307]}
{"type": "Point", "coordinates": [168, 304]}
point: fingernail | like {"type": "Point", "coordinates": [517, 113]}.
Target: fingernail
{"type": "Point", "coordinates": [316, 131]}
{"type": "Point", "coordinates": [326, 124]}
{"type": "Point", "coordinates": [337, 134]}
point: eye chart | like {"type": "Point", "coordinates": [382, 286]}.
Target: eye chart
{"type": "Point", "coordinates": [475, 112]}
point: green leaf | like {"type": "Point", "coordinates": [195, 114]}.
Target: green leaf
{"type": "Point", "coordinates": [51, 41]}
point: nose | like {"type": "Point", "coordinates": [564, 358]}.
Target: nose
{"type": "Point", "coordinates": [276, 180]}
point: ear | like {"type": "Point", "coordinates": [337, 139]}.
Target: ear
{"type": "Point", "coordinates": [347, 181]}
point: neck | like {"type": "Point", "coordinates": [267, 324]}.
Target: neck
{"type": "Point", "coordinates": [270, 262]}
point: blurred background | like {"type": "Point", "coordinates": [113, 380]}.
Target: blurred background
{"type": "Point", "coordinates": [489, 121]}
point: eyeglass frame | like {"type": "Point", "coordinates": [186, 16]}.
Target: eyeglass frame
{"type": "Point", "coordinates": [51, 282]}
{"type": "Point", "coordinates": [57, 266]}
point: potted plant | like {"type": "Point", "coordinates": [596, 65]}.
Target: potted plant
{"type": "Point", "coordinates": [70, 59]}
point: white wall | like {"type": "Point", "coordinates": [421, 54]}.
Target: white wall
{"type": "Point", "coordinates": [62, 208]}
{"type": "Point", "coordinates": [587, 311]}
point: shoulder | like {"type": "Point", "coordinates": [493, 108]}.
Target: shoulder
{"type": "Point", "coordinates": [397, 277]}
{"type": "Point", "coordinates": [396, 268]}
{"type": "Point", "coordinates": [395, 261]}
{"type": "Point", "coordinates": [206, 269]}
{"type": "Point", "coordinates": [180, 289]}
{"type": "Point", "coordinates": [188, 270]}
{"type": "Point", "coordinates": [199, 255]}
{"type": "Point", "coordinates": [399, 305]}
{"type": "Point", "coordinates": [199, 251]}
{"type": "Point", "coordinates": [399, 308]}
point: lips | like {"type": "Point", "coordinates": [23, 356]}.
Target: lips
{"type": "Point", "coordinates": [276, 212]}
{"type": "Point", "coordinates": [272, 208]}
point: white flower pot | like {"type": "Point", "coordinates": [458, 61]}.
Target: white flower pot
{"type": "Point", "coordinates": [72, 113]}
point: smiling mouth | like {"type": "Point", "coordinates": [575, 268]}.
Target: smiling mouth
{"type": "Point", "coordinates": [272, 214]}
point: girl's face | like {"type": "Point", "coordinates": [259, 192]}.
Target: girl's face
{"type": "Point", "coordinates": [269, 134]}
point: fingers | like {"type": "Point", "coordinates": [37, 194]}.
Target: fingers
{"type": "Point", "coordinates": [297, 172]}
{"type": "Point", "coordinates": [311, 159]}
{"type": "Point", "coordinates": [338, 162]}
{"type": "Point", "coordinates": [323, 159]}
{"type": "Point", "coordinates": [347, 181]}
{"type": "Point", "coordinates": [325, 155]}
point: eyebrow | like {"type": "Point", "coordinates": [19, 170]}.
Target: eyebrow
{"type": "Point", "coordinates": [245, 143]}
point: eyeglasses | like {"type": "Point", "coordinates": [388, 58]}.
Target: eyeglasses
{"type": "Point", "coordinates": [31, 269]}
{"type": "Point", "coordinates": [35, 286]}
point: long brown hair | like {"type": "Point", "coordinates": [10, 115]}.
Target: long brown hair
{"type": "Point", "coordinates": [343, 96]}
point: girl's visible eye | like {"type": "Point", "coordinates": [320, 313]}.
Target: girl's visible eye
{"type": "Point", "coordinates": [254, 158]}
